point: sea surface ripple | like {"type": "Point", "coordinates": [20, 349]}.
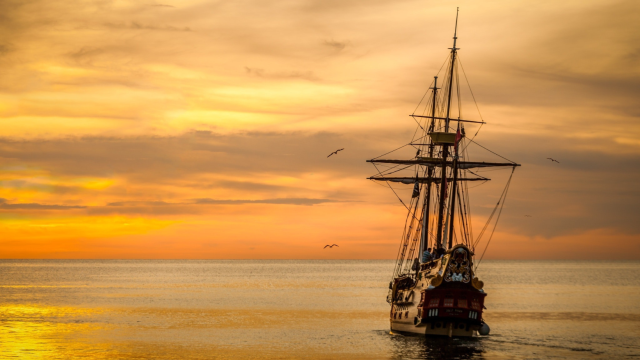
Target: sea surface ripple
{"type": "Point", "coordinates": [303, 309]}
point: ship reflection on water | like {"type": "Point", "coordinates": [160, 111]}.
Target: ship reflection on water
{"type": "Point", "coordinates": [419, 347]}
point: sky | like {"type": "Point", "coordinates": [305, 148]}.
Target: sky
{"type": "Point", "coordinates": [200, 129]}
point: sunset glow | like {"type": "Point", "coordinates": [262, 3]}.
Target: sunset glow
{"type": "Point", "coordinates": [201, 129]}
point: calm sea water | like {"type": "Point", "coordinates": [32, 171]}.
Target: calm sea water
{"type": "Point", "coordinates": [303, 309]}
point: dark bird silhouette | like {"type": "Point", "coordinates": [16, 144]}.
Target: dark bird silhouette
{"type": "Point", "coordinates": [330, 246]}
{"type": "Point", "coordinates": [554, 160]}
{"type": "Point", "coordinates": [335, 152]}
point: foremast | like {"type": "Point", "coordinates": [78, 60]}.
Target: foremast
{"type": "Point", "coordinates": [427, 200]}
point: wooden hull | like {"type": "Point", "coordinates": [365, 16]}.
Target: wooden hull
{"type": "Point", "coordinates": [442, 298]}
{"type": "Point", "coordinates": [443, 311]}
{"type": "Point", "coordinates": [437, 328]}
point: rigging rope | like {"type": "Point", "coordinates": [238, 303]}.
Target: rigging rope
{"type": "Point", "coordinates": [401, 249]}
{"type": "Point", "coordinates": [396, 149]}
{"type": "Point", "coordinates": [402, 202]}
{"type": "Point", "coordinates": [469, 85]}
{"type": "Point", "coordinates": [426, 92]}
{"type": "Point", "coordinates": [418, 125]}
{"type": "Point", "coordinates": [430, 104]}
{"type": "Point", "coordinates": [467, 201]}
{"type": "Point", "coordinates": [393, 172]}
{"type": "Point", "coordinates": [391, 151]}
{"type": "Point", "coordinates": [504, 194]}
{"type": "Point", "coordinates": [484, 228]}
{"type": "Point", "coordinates": [474, 100]}
{"type": "Point", "coordinates": [513, 162]}
{"type": "Point", "coordinates": [462, 220]}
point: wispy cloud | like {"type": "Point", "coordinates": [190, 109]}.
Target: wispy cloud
{"type": "Point", "coordinates": [134, 25]}
{"type": "Point", "coordinates": [306, 75]}
{"type": "Point", "coordinates": [284, 201]}
{"type": "Point", "coordinates": [4, 205]}
{"type": "Point", "coordinates": [336, 45]}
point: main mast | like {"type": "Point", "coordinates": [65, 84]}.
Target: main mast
{"type": "Point", "coordinates": [427, 197]}
{"type": "Point", "coordinates": [445, 147]}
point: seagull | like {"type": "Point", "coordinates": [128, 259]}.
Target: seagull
{"type": "Point", "coordinates": [554, 160]}
{"type": "Point", "coordinates": [330, 246]}
{"type": "Point", "coordinates": [335, 152]}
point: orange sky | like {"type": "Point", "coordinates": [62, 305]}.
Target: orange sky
{"type": "Point", "coordinates": [200, 129]}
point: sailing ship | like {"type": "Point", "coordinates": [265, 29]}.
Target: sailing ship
{"type": "Point", "coordinates": [434, 288]}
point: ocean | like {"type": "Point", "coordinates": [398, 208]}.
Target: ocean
{"type": "Point", "coordinates": [303, 309]}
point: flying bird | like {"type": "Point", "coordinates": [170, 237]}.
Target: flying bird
{"type": "Point", "coordinates": [335, 152]}
{"type": "Point", "coordinates": [330, 246]}
{"type": "Point", "coordinates": [554, 160]}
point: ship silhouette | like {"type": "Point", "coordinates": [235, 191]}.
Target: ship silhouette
{"type": "Point", "coordinates": [434, 289]}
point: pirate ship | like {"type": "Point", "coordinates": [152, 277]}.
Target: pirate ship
{"type": "Point", "coordinates": [434, 288]}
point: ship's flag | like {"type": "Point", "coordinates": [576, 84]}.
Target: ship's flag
{"type": "Point", "coordinates": [458, 137]}
{"type": "Point", "coordinates": [416, 190]}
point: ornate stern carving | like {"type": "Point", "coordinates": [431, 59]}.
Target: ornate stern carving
{"type": "Point", "coordinates": [459, 266]}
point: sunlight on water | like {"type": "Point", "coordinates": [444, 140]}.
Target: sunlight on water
{"type": "Point", "coordinates": [302, 309]}
{"type": "Point", "coordinates": [45, 332]}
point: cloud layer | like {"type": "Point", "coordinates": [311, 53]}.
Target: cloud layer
{"type": "Point", "coordinates": [131, 122]}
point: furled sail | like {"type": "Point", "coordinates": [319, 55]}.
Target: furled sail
{"type": "Point", "coordinates": [422, 180]}
{"type": "Point", "coordinates": [438, 163]}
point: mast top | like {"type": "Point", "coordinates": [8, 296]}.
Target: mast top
{"type": "Point", "coordinates": [435, 83]}
{"type": "Point", "coordinates": [455, 31]}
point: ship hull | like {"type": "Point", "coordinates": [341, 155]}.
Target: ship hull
{"type": "Point", "coordinates": [441, 298]}
{"type": "Point", "coordinates": [437, 328]}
